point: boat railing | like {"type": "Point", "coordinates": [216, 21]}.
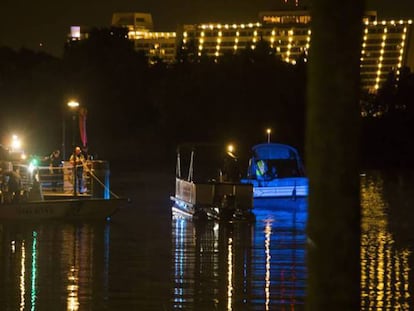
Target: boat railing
{"type": "Point", "coordinates": [60, 179]}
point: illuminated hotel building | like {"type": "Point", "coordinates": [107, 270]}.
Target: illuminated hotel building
{"type": "Point", "coordinates": [140, 29]}
{"type": "Point", "coordinates": [386, 45]}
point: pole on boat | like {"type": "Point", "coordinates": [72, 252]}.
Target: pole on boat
{"type": "Point", "coordinates": [74, 177]}
{"type": "Point", "coordinates": [63, 136]}
{"type": "Point", "coordinates": [178, 167]}
{"type": "Point", "coordinates": [190, 169]}
{"type": "Point", "coordinates": [74, 105]}
{"type": "Point", "coordinates": [268, 131]}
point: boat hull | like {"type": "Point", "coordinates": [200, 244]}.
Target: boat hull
{"type": "Point", "coordinates": [70, 209]}
{"type": "Point", "coordinates": [214, 200]}
{"type": "Point", "coordinates": [279, 188]}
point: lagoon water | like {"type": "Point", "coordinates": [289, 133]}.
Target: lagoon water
{"type": "Point", "coordinates": [147, 259]}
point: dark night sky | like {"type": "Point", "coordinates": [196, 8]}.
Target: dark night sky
{"type": "Point", "coordinates": [27, 23]}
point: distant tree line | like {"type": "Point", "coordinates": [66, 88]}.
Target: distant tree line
{"type": "Point", "coordinates": [388, 124]}
{"type": "Point", "coordinates": [140, 109]}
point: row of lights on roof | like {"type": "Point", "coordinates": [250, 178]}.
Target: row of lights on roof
{"type": "Point", "coordinates": [392, 22]}
{"type": "Point", "coordinates": [251, 25]}
{"type": "Point", "coordinates": [151, 35]}
{"type": "Point", "coordinates": [227, 26]}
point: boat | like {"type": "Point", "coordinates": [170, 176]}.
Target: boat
{"type": "Point", "coordinates": [209, 193]}
{"type": "Point", "coordinates": [276, 171]}
{"type": "Point", "coordinates": [36, 200]}
{"type": "Point", "coordinates": [62, 209]}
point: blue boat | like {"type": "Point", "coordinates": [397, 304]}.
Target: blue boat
{"type": "Point", "coordinates": [276, 171]}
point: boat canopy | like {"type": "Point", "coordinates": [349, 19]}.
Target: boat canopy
{"type": "Point", "coordinates": [271, 151]}
{"type": "Point", "coordinates": [272, 160]}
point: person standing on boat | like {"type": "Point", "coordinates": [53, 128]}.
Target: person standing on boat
{"type": "Point", "coordinates": [231, 170]}
{"type": "Point", "coordinates": [14, 185]}
{"type": "Point", "coordinates": [261, 169]}
{"type": "Point", "coordinates": [55, 168]}
{"type": "Point", "coordinates": [77, 159]}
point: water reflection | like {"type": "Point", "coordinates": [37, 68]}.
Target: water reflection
{"type": "Point", "coordinates": [239, 266]}
{"type": "Point", "coordinates": [385, 281]}
{"type": "Point", "coordinates": [147, 260]}
{"type": "Point", "coordinates": [49, 266]}
{"type": "Point", "coordinates": [261, 266]}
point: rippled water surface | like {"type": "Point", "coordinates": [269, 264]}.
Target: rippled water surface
{"type": "Point", "coordinates": [147, 259]}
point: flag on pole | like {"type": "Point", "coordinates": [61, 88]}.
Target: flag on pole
{"type": "Point", "coordinates": [82, 125]}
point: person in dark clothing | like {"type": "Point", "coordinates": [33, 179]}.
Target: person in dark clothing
{"type": "Point", "coordinates": [55, 168]}
{"type": "Point", "coordinates": [230, 168]}
{"type": "Point", "coordinates": [14, 185]}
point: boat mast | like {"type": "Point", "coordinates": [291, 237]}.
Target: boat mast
{"type": "Point", "coordinates": [178, 165]}
{"type": "Point", "coordinates": [190, 169]}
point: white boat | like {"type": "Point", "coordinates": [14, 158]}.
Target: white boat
{"type": "Point", "coordinates": [211, 195]}
{"type": "Point", "coordinates": [275, 171]}
{"type": "Point", "coordinates": [36, 201]}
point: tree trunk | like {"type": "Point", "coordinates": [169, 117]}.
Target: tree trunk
{"type": "Point", "coordinates": [332, 156]}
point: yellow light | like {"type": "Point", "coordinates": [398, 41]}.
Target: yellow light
{"type": "Point", "coordinates": [73, 104]}
{"type": "Point", "coordinates": [16, 143]}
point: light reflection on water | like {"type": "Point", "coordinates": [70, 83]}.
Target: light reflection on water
{"type": "Point", "coordinates": [147, 260]}
{"type": "Point", "coordinates": [240, 266]}
{"type": "Point", "coordinates": [385, 265]}
{"type": "Point", "coordinates": [47, 267]}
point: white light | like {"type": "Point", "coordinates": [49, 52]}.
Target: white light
{"type": "Point", "coordinates": [73, 104]}
{"type": "Point", "coordinates": [16, 144]}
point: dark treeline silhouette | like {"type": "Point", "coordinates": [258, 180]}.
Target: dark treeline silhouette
{"type": "Point", "coordinates": [389, 123]}
{"type": "Point", "coordinates": [140, 108]}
